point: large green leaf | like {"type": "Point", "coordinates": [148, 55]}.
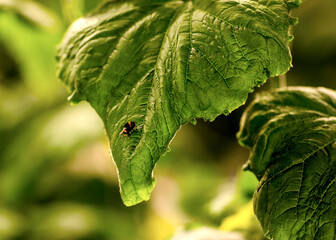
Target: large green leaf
{"type": "Point", "coordinates": [162, 64]}
{"type": "Point", "coordinates": [292, 133]}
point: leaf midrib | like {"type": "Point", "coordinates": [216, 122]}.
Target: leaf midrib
{"type": "Point", "coordinates": [145, 123]}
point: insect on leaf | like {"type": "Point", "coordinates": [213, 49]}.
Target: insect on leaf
{"type": "Point", "coordinates": [161, 64]}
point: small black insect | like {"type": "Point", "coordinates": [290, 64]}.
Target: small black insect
{"type": "Point", "coordinates": [128, 129]}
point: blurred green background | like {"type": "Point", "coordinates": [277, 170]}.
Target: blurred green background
{"type": "Point", "coordinates": [57, 179]}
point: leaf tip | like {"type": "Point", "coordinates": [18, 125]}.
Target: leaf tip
{"type": "Point", "coordinates": [133, 194]}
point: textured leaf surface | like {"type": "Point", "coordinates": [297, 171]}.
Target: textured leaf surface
{"type": "Point", "coordinates": [162, 64]}
{"type": "Point", "coordinates": [292, 136]}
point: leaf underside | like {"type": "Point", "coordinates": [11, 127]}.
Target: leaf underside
{"type": "Point", "coordinates": [161, 64]}
{"type": "Point", "coordinates": [292, 136]}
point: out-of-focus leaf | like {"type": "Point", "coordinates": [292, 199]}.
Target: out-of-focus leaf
{"type": "Point", "coordinates": [31, 147]}
{"type": "Point", "coordinates": [73, 9]}
{"type": "Point", "coordinates": [160, 64]}
{"type": "Point", "coordinates": [11, 224]}
{"type": "Point", "coordinates": [33, 50]}
{"type": "Point", "coordinates": [292, 136]}
{"type": "Point", "coordinates": [206, 233]}
{"type": "Point", "coordinates": [234, 195]}
{"type": "Point", "coordinates": [69, 221]}
{"type": "Point", "coordinates": [90, 5]}
{"type": "Point", "coordinates": [32, 12]}
{"type": "Point", "coordinates": [66, 221]}
{"type": "Point", "coordinates": [190, 149]}
{"type": "Point", "coordinates": [245, 222]}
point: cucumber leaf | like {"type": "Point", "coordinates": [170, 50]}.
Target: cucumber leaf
{"type": "Point", "coordinates": [292, 136]}
{"type": "Point", "coordinates": [148, 67]}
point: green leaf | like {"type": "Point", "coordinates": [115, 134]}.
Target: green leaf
{"type": "Point", "coordinates": [162, 64]}
{"type": "Point", "coordinates": [38, 74]}
{"type": "Point", "coordinates": [292, 136]}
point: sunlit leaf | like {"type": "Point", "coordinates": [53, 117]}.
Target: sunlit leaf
{"type": "Point", "coordinates": [160, 64]}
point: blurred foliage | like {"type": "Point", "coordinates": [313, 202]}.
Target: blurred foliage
{"type": "Point", "coordinates": [57, 180]}
{"type": "Point", "coordinates": [314, 45]}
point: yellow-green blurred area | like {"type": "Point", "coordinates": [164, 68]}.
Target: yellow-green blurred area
{"type": "Point", "coordinates": [57, 178]}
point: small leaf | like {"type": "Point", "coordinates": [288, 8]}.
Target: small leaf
{"type": "Point", "coordinates": [292, 136]}
{"type": "Point", "coordinates": [161, 64]}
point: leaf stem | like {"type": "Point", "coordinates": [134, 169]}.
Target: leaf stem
{"type": "Point", "coordinates": [279, 82]}
{"type": "Point", "coordinates": [282, 80]}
